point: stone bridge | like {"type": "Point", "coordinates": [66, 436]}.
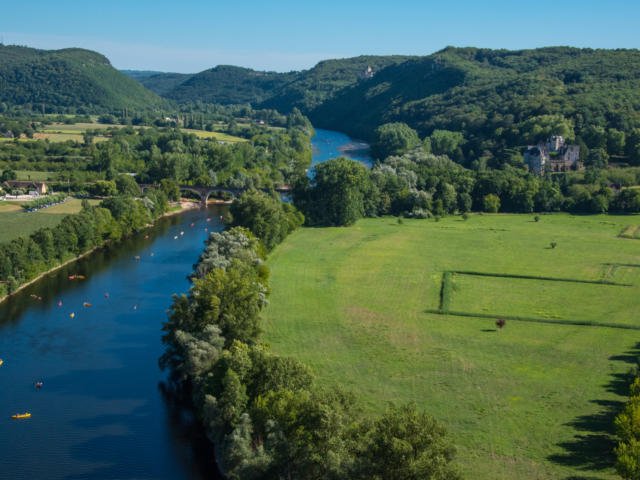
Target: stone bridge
{"type": "Point", "coordinates": [205, 192]}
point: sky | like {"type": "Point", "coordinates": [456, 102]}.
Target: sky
{"type": "Point", "coordinates": [284, 35]}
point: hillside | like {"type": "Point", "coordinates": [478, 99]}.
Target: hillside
{"type": "Point", "coordinates": [312, 87]}
{"type": "Point", "coordinates": [498, 99]}
{"type": "Point", "coordinates": [226, 84]}
{"type": "Point", "coordinates": [281, 91]}
{"type": "Point", "coordinates": [158, 82]}
{"type": "Point", "coordinates": [478, 91]}
{"type": "Point", "coordinates": [68, 78]}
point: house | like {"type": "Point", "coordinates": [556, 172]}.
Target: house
{"type": "Point", "coordinates": [554, 155]}
{"type": "Point", "coordinates": [40, 188]}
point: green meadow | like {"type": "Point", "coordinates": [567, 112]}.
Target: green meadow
{"type": "Point", "coordinates": [363, 307]}
{"type": "Point", "coordinates": [14, 221]}
{"type": "Point", "coordinates": [59, 132]}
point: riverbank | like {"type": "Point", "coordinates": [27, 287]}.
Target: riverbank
{"type": "Point", "coordinates": [184, 206]}
{"type": "Point", "coordinates": [47, 272]}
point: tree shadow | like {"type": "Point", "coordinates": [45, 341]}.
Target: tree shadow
{"type": "Point", "coordinates": [593, 449]}
{"type": "Point", "coordinates": [489, 330]}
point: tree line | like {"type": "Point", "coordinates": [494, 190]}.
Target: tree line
{"type": "Point", "coordinates": [420, 184]}
{"type": "Point", "coordinates": [627, 427]}
{"type": "Point", "coordinates": [26, 257]}
{"type": "Point", "coordinates": [266, 413]}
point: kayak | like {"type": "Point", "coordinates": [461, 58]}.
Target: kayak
{"type": "Point", "coordinates": [86, 304]}
{"type": "Point", "coordinates": [1, 362]}
{"type": "Point", "coordinates": [21, 415]}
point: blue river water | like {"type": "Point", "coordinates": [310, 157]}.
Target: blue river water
{"type": "Point", "coordinates": [327, 144]}
{"type": "Point", "coordinates": [103, 410]}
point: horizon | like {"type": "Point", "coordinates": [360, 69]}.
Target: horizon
{"type": "Point", "coordinates": [134, 69]}
{"type": "Point", "coordinates": [289, 36]}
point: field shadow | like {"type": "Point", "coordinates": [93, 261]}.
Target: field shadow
{"type": "Point", "coordinates": [592, 448]}
{"type": "Point", "coordinates": [489, 330]}
{"type": "Point", "coordinates": [620, 382]}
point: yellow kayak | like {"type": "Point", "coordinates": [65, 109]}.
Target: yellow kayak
{"type": "Point", "coordinates": [1, 362]}
{"type": "Point", "coordinates": [21, 415]}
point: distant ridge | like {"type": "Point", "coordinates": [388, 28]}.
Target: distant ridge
{"type": "Point", "coordinates": [158, 82]}
{"type": "Point", "coordinates": [456, 88]}
{"type": "Point", "coordinates": [226, 84]}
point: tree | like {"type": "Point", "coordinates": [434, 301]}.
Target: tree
{"type": "Point", "coordinates": [8, 175]}
{"type": "Point", "coordinates": [393, 139]}
{"type": "Point", "coordinates": [598, 158]}
{"type": "Point", "coordinates": [628, 459]}
{"type": "Point", "coordinates": [339, 192]}
{"type": "Point", "coordinates": [267, 217]}
{"type": "Point", "coordinates": [171, 189]}
{"type": "Point", "coordinates": [491, 203]}
{"type": "Point", "coordinates": [126, 185]}
{"type": "Point", "coordinates": [615, 142]}
{"type": "Point", "coordinates": [404, 444]}
{"type": "Point", "coordinates": [105, 188]}
{"type": "Point", "coordinates": [445, 142]}
{"type": "Point", "coordinates": [500, 323]}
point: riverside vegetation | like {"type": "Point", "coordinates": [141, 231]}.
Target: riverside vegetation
{"type": "Point", "coordinates": [162, 156]}
{"type": "Point", "coordinates": [266, 414]}
{"type": "Point", "coordinates": [25, 257]}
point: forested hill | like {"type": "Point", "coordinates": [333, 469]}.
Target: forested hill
{"type": "Point", "coordinates": [158, 82]}
{"type": "Point", "coordinates": [68, 78]}
{"type": "Point", "coordinates": [311, 88]}
{"type": "Point", "coordinates": [226, 84]}
{"type": "Point", "coordinates": [281, 91]}
{"type": "Point", "coordinates": [481, 92]}
{"type": "Point", "coordinates": [495, 98]}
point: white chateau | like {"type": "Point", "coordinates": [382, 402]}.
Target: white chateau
{"type": "Point", "coordinates": [554, 155]}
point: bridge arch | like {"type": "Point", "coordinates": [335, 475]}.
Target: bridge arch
{"type": "Point", "coordinates": [205, 192]}
{"type": "Point", "coordinates": [231, 192]}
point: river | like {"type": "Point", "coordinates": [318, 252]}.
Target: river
{"type": "Point", "coordinates": [103, 411]}
{"type": "Point", "coordinates": [328, 144]}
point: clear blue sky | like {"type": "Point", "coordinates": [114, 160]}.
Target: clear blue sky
{"type": "Point", "coordinates": [283, 35]}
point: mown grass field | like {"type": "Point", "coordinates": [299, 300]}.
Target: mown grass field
{"type": "Point", "coordinates": [535, 400]}
{"type": "Point", "coordinates": [35, 175]}
{"type": "Point", "coordinates": [14, 221]}
{"type": "Point", "coordinates": [221, 137]}
{"type": "Point", "coordinates": [59, 132]}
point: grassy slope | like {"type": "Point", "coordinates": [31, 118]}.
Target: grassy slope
{"type": "Point", "coordinates": [15, 222]}
{"type": "Point", "coordinates": [532, 401]}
